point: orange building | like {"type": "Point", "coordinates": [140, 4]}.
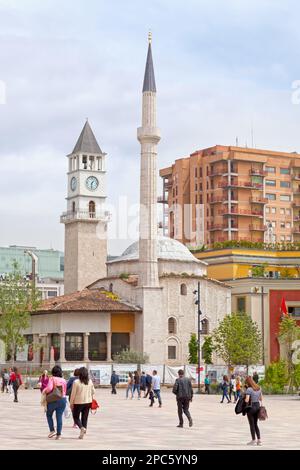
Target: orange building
{"type": "Point", "coordinates": [232, 193]}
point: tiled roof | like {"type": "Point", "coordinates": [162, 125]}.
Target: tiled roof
{"type": "Point", "coordinates": [87, 141]}
{"type": "Point", "coordinates": [95, 300]}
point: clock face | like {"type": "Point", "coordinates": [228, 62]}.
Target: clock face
{"type": "Point", "coordinates": [92, 183]}
{"type": "Point", "coordinates": [73, 183]}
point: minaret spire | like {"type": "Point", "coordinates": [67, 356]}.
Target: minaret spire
{"type": "Point", "coordinates": [148, 136]}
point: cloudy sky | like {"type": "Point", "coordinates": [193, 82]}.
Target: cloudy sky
{"type": "Point", "coordinates": [221, 67]}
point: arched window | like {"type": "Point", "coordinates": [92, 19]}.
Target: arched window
{"type": "Point", "coordinates": [173, 349]}
{"type": "Point", "coordinates": [183, 289]}
{"type": "Point", "coordinates": [73, 206]}
{"type": "Point", "coordinates": [205, 327]}
{"type": "Point", "coordinates": [92, 209]}
{"type": "Point", "coordinates": [172, 326]}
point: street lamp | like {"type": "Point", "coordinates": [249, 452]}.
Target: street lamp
{"type": "Point", "coordinates": [197, 302]}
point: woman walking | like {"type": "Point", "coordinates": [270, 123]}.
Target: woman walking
{"type": "Point", "coordinates": [44, 380]}
{"type": "Point", "coordinates": [15, 380]}
{"type": "Point", "coordinates": [253, 399]}
{"type": "Point", "coordinates": [81, 399]}
{"type": "Point", "coordinates": [55, 394]}
{"type": "Point", "coordinates": [224, 387]}
{"type": "Point", "coordinates": [238, 387]}
{"type": "Point", "coordinates": [129, 385]}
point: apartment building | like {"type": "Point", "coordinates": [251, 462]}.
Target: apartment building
{"type": "Point", "coordinates": [232, 193]}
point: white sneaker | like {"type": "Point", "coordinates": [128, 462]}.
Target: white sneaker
{"type": "Point", "coordinates": [251, 443]}
{"type": "Point", "coordinates": [82, 433]}
{"type": "Point", "coordinates": [259, 443]}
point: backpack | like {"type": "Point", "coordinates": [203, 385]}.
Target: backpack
{"type": "Point", "coordinates": [239, 407]}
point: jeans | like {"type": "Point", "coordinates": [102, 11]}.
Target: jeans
{"type": "Point", "coordinates": [183, 407]}
{"type": "Point", "coordinates": [207, 389]}
{"type": "Point", "coordinates": [225, 395]}
{"type": "Point", "coordinates": [82, 410]}
{"type": "Point", "coordinates": [59, 408]}
{"type": "Point", "coordinates": [252, 416]}
{"type": "Point", "coordinates": [129, 389]}
{"type": "Point", "coordinates": [4, 385]}
{"type": "Point", "coordinates": [148, 387]}
{"type": "Point", "coordinates": [113, 389]}
{"type": "Point", "coordinates": [15, 389]}
{"type": "Point", "coordinates": [156, 395]}
{"type": "Point", "coordinates": [138, 388]}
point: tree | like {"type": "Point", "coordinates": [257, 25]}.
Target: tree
{"type": "Point", "coordinates": [289, 332]}
{"type": "Point", "coordinates": [17, 298]}
{"type": "Point", "coordinates": [237, 340]}
{"type": "Point", "coordinates": [131, 357]}
{"type": "Point", "coordinates": [207, 350]}
{"type": "Point", "coordinates": [193, 349]}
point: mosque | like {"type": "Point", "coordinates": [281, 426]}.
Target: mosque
{"type": "Point", "coordinates": [142, 300]}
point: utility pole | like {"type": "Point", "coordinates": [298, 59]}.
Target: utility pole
{"type": "Point", "coordinates": [197, 302]}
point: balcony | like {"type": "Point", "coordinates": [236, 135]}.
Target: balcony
{"type": "Point", "coordinates": [72, 216]}
{"type": "Point", "coordinates": [296, 203]}
{"type": "Point", "coordinates": [258, 200]}
{"type": "Point", "coordinates": [216, 200]}
{"type": "Point", "coordinates": [213, 227]}
{"type": "Point", "coordinates": [257, 228]}
{"type": "Point", "coordinates": [296, 230]}
{"type": "Point", "coordinates": [162, 200]}
{"type": "Point", "coordinates": [169, 183]}
{"type": "Point", "coordinates": [257, 172]}
{"type": "Point", "coordinates": [242, 212]}
{"type": "Point", "coordinates": [240, 184]}
{"type": "Point", "coordinates": [216, 172]}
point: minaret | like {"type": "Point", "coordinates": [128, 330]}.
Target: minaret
{"type": "Point", "coordinates": [85, 220]}
{"type": "Point", "coordinates": [148, 136]}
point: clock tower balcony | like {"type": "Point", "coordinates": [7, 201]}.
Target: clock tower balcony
{"type": "Point", "coordinates": [86, 216]}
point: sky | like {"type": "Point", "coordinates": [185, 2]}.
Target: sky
{"type": "Point", "coordinates": [222, 68]}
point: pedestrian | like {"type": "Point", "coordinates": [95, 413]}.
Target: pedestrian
{"type": "Point", "coordinates": [155, 388]}
{"type": "Point", "coordinates": [70, 386]}
{"type": "Point", "coordinates": [136, 384]}
{"type": "Point", "coordinates": [148, 384]}
{"type": "Point", "coordinates": [238, 386]}
{"type": "Point", "coordinates": [81, 399]}
{"type": "Point", "coordinates": [207, 384]}
{"type": "Point", "coordinates": [43, 380]}
{"type": "Point", "coordinates": [253, 400]}
{"type": "Point", "coordinates": [255, 377]}
{"type": "Point", "coordinates": [5, 380]}
{"type": "Point", "coordinates": [143, 383]}
{"type": "Point", "coordinates": [114, 380]}
{"type": "Point", "coordinates": [55, 394]}
{"type": "Point", "coordinates": [15, 380]}
{"type": "Point", "coordinates": [184, 395]}
{"type": "Point", "coordinates": [232, 388]}
{"type": "Point", "coordinates": [224, 388]}
{"type": "Point", "coordinates": [129, 385]}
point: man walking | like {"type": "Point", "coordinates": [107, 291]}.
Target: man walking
{"type": "Point", "coordinates": [207, 384]}
{"type": "Point", "coordinates": [114, 380]}
{"type": "Point", "coordinates": [148, 384]}
{"type": "Point", "coordinates": [184, 394]}
{"type": "Point", "coordinates": [156, 389]}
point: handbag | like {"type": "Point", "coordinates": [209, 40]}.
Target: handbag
{"type": "Point", "coordinates": [262, 413]}
{"type": "Point", "coordinates": [94, 406]}
{"type": "Point", "coordinates": [56, 393]}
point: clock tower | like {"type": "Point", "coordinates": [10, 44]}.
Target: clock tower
{"type": "Point", "coordinates": [85, 219]}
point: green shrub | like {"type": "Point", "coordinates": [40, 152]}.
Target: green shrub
{"type": "Point", "coordinates": [276, 378]}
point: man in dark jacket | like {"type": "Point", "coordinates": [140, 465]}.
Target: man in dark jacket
{"type": "Point", "coordinates": [184, 394]}
{"type": "Point", "coordinates": [114, 380]}
{"type": "Point", "coordinates": [148, 384]}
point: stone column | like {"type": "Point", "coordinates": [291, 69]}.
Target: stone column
{"type": "Point", "coordinates": [62, 357]}
{"type": "Point", "coordinates": [131, 341]}
{"type": "Point", "coordinates": [86, 347]}
{"type": "Point", "coordinates": [36, 350]}
{"type": "Point", "coordinates": [108, 347]}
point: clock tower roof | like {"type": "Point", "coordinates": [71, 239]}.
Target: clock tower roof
{"type": "Point", "coordinates": [87, 142]}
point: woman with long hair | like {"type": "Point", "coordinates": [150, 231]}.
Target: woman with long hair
{"type": "Point", "coordinates": [43, 380]}
{"type": "Point", "coordinates": [81, 399]}
{"type": "Point", "coordinates": [253, 399]}
{"type": "Point", "coordinates": [15, 380]}
{"type": "Point", "coordinates": [58, 404]}
{"type": "Point", "coordinates": [129, 385]}
{"type": "Point", "coordinates": [224, 387]}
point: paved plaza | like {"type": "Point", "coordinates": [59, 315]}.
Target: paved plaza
{"type": "Point", "coordinates": [131, 424]}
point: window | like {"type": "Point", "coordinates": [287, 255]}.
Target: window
{"type": "Point", "coordinates": [172, 326]}
{"type": "Point", "coordinates": [55, 342]}
{"type": "Point", "coordinates": [200, 187]}
{"type": "Point", "coordinates": [204, 327]}
{"type": "Point", "coordinates": [171, 352]}
{"type": "Point", "coordinates": [288, 211]}
{"type": "Point", "coordinates": [273, 210]}
{"type": "Point", "coordinates": [51, 293]}
{"type": "Point", "coordinates": [241, 304]}
{"type": "Point", "coordinates": [271, 197]}
{"type": "Point", "coordinates": [200, 199]}
{"type": "Point", "coordinates": [196, 187]}
{"type": "Point", "coordinates": [196, 199]}
{"type": "Point", "coordinates": [285, 197]}
{"type": "Point", "coordinates": [282, 224]}
{"type": "Point", "coordinates": [270, 169]}
{"type": "Point", "coordinates": [288, 238]}
{"type": "Point", "coordinates": [92, 209]}
{"type": "Point", "coordinates": [273, 223]}
{"type": "Point", "coordinates": [285, 184]}
{"type": "Point", "coordinates": [294, 312]}
{"type": "Point", "coordinates": [200, 169]}
{"type": "Point", "coordinates": [282, 211]}
{"type": "Point", "coordinates": [74, 346]}
{"type": "Point", "coordinates": [196, 172]}
{"type": "Point", "coordinates": [270, 182]}
{"type": "Point", "coordinates": [183, 289]}
{"type": "Point", "coordinates": [267, 210]}
{"type": "Point", "coordinates": [119, 342]}
{"type": "Point", "coordinates": [282, 238]}
{"type": "Point", "coordinates": [288, 225]}
{"type": "Point", "coordinates": [97, 347]}
{"type": "Point", "coordinates": [84, 162]}
{"type": "Point", "coordinates": [284, 171]}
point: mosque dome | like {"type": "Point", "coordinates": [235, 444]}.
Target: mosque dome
{"type": "Point", "coordinates": [168, 249]}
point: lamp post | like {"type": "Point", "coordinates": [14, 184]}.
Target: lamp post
{"type": "Point", "coordinates": [197, 302]}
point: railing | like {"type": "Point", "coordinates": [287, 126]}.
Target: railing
{"type": "Point", "coordinates": [259, 228]}
{"type": "Point", "coordinates": [257, 171]}
{"type": "Point", "coordinates": [240, 184]}
{"type": "Point", "coordinates": [214, 200]}
{"type": "Point", "coordinates": [216, 226]}
{"type": "Point", "coordinates": [84, 215]}
{"type": "Point", "coordinates": [245, 212]}
{"type": "Point", "coordinates": [162, 199]}
{"type": "Point", "coordinates": [258, 200]}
